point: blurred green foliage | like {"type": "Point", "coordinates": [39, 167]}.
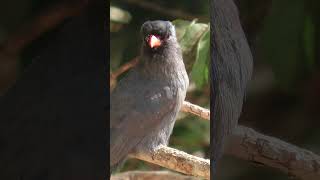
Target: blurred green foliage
{"type": "Point", "coordinates": [288, 42]}
{"type": "Point", "coordinates": [288, 16]}
{"type": "Point", "coordinates": [194, 39]}
{"type": "Point", "coordinates": [200, 69]}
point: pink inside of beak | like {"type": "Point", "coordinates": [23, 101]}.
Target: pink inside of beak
{"type": "Point", "coordinates": [154, 41]}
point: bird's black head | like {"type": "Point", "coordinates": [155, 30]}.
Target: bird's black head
{"type": "Point", "coordinates": [156, 34]}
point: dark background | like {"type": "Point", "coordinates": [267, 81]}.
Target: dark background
{"type": "Point", "coordinates": [53, 119]}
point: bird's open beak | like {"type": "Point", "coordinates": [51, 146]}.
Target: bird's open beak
{"type": "Point", "coordinates": [154, 41]}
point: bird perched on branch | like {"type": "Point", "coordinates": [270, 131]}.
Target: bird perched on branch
{"type": "Point", "coordinates": [231, 68]}
{"type": "Point", "coordinates": [145, 103]}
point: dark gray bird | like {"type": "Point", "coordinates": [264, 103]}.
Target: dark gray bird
{"type": "Point", "coordinates": [145, 103]}
{"type": "Point", "coordinates": [231, 68]}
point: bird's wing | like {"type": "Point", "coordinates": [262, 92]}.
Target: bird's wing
{"type": "Point", "coordinates": [134, 114]}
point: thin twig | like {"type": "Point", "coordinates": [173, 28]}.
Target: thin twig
{"type": "Point", "coordinates": [177, 160]}
{"type": "Point", "coordinates": [124, 68]}
{"type": "Point", "coordinates": [114, 75]}
{"type": "Point", "coordinates": [196, 110]}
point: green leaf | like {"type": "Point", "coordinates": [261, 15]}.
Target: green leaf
{"type": "Point", "coordinates": [189, 34]}
{"type": "Point", "coordinates": [180, 26]}
{"type": "Point", "coordinates": [199, 73]}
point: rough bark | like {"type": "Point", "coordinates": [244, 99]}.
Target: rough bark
{"type": "Point", "coordinates": [178, 161]}
{"type": "Point", "coordinates": [151, 175]}
{"type": "Point", "coordinates": [249, 145]}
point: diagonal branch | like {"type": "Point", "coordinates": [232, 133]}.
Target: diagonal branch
{"type": "Point", "coordinates": [249, 145]}
{"type": "Point", "coordinates": [195, 110]}
{"type": "Point", "coordinates": [114, 75]}
{"type": "Point", "coordinates": [178, 161]}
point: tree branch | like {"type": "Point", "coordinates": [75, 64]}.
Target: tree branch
{"type": "Point", "coordinates": [196, 110]}
{"type": "Point", "coordinates": [249, 145]}
{"type": "Point", "coordinates": [177, 160]}
{"type": "Point", "coordinates": [114, 75]}
{"type": "Point", "coordinates": [150, 175]}
{"type": "Point", "coordinates": [125, 67]}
